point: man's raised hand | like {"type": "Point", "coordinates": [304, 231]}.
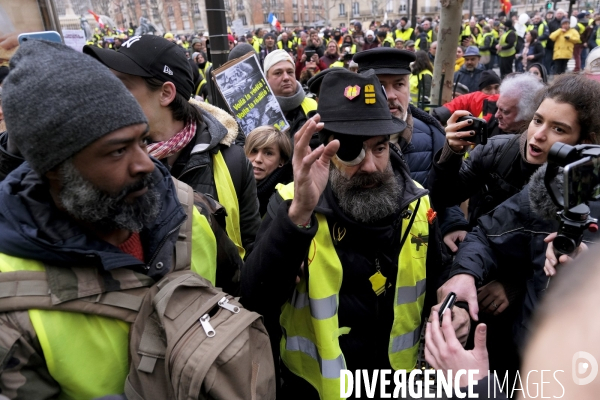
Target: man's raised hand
{"type": "Point", "coordinates": [311, 170]}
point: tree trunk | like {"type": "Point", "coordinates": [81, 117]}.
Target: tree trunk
{"type": "Point", "coordinates": [445, 56]}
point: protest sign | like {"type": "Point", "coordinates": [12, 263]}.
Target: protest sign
{"type": "Point", "coordinates": [237, 26]}
{"type": "Point", "coordinates": [74, 38]}
{"type": "Point", "coordinates": [248, 95]}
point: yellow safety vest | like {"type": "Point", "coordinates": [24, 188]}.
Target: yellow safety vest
{"type": "Point", "coordinates": [507, 52]}
{"type": "Point", "coordinates": [256, 44]}
{"type": "Point", "coordinates": [389, 40]}
{"type": "Point", "coordinates": [414, 81]}
{"type": "Point", "coordinates": [406, 35]}
{"type": "Point", "coordinates": [337, 64]}
{"type": "Point", "coordinates": [429, 39]}
{"type": "Point", "coordinates": [308, 105]}
{"type": "Point", "coordinates": [228, 198]}
{"type": "Point", "coordinates": [481, 42]}
{"type": "Point", "coordinates": [310, 347]}
{"type": "Point", "coordinates": [289, 46]}
{"type": "Point", "coordinates": [87, 355]}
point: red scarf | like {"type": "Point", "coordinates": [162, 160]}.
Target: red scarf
{"type": "Point", "coordinates": [160, 150]}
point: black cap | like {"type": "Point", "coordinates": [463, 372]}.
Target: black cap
{"type": "Point", "coordinates": [355, 104]}
{"type": "Point", "coordinates": [385, 60]}
{"type": "Point", "coordinates": [149, 56]}
{"type": "Point", "coordinates": [314, 83]}
{"type": "Point", "coordinates": [487, 78]}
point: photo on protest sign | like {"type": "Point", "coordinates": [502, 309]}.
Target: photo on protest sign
{"type": "Point", "coordinates": [248, 95]}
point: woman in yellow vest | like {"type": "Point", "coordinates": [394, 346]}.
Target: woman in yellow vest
{"type": "Point", "coordinates": [419, 84]}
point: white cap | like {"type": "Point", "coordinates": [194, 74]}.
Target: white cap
{"type": "Point", "coordinates": [275, 57]}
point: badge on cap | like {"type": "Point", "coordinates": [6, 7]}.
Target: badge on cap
{"type": "Point", "coordinates": [369, 94]}
{"type": "Point", "coordinates": [352, 92]}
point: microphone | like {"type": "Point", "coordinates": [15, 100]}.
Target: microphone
{"type": "Point", "coordinates": [539, 199]}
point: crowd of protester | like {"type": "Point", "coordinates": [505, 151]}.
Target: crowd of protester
{"type": "Point", "coordinates": [346, 232]}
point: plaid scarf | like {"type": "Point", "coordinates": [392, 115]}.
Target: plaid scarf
{"type": "Point", "coordinates": [160, 150]}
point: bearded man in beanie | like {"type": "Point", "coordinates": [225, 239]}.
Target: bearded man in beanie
{"type": "Point", "coordinates": [193, 139]}
{"type": "Point", "coordinates": [280, 70]}
{"type": "Point", "coordinates": [423, 135]}
{"type": "Point", "coordinates": [348, 254]}
{"type": "Point", "coordinates": [92, 215]}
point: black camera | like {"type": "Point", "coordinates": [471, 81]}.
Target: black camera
{"type": "Point", "coordinates": [479, 126]}
{"type": "Point", "coordinates": [580, 184]}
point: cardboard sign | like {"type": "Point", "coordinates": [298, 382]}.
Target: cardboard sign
{"type": "Point", "coordinates": [248, 94]}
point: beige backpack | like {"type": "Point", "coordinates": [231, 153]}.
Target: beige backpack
{"type": "Point", "coordinates": [192, 341]}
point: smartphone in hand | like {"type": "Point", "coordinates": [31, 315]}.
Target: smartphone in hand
{"type": "Point", "coordinates": [447, 304]}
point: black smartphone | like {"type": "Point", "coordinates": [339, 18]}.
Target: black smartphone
{"type": "Point", "coordinates": [479, 126]}
{"type": "Point", "coordinates": [447, 304]}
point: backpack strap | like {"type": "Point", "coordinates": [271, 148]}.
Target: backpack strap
{"type": "Point", "coordinates": [504, 163]}
{"type": "Point", "coordinates": [25, 290]}
{"type": "Point", "coordinates": [183, 246]}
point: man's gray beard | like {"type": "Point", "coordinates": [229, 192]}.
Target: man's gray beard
{"type": "Point", "coordinates": [367, 205]}
{"type": "Point", "coordinates": [83, 201]}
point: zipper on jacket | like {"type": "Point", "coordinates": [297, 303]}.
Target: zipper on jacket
{"type": "Point", "coordinates": [189, 170]}
{"type": "Point", "coordinates": [208, 329]}
{"type": "Point", "coordinates": [224, 303]}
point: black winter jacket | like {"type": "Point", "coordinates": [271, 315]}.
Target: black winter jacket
{"type": "Point", "coordinates": [469, 78]}
{"type": "Point", "coordinates": [427, 139]}
{"type": "Point", "coordinates": [512, 236]}
{"type": "Point", "coordinates": [194, 166]}
{"type": "Point", "coordinates": [455, 180]}
{"type": "Point", "coordinates": [268, 277]}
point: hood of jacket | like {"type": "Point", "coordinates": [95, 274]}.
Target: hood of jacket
{"type": "Point", "coordinates": [32, 227]}
{"type": "Point", "coordinates": [539, 199]}
{"type": "Point", "coordinates": [222, 127]}
{"type": "Point", "coordinates": [410, 191]}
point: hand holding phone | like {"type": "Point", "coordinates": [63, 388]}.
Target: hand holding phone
{"type": "Point", "coordinates": [447, 304]}
{"type": "Point", "coordinates": [479, 125]}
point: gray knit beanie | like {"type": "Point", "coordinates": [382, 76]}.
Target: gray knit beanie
{"type": "Point", "coordinates": [57, 101]}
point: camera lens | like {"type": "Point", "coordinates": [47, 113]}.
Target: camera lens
{"type": "Point", "coordinates": [563, 244]}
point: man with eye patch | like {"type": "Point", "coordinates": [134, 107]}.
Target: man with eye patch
{"type": "Point", "coordinates": [350, 250]}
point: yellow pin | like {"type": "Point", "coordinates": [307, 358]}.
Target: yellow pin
{"type": "Point", "coordinates": [369, 94]}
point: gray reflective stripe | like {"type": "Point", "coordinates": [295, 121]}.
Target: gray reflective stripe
{"type": "Point", "coordinates": [319, 308]}
{"type": "Point", "coordinates": [299, 300]}
{"type": "Point", "coordinates": [329, 368]}
{"type": "Point", "coordinates": [406, 341]}
{"type": "Point", "coordinates": [323, 308]}
{"type": "Point", "coordinates": [410, 294]}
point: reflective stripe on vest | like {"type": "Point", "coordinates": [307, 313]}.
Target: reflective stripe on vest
{"type": "Point", "coordinates": [229, 200]}
{"type": "Point", "coordinates": [308, 105]}
{"type": "Point", "coordinates": [309, 346]}
{"type": "Point", "coordinates": [87, 355]}
{"type": "Point", "coordinates": [506, 52]}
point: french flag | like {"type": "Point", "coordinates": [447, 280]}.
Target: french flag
{"type": "Point", "coordinates": [274, 22]}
